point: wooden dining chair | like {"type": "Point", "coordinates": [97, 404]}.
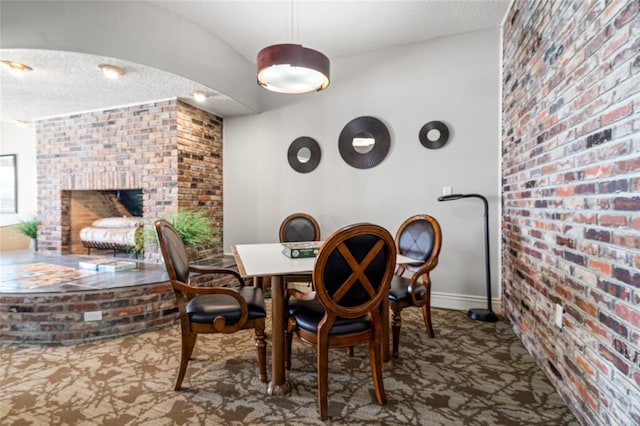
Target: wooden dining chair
{"type": "Point", "coordinates": [299, 227]}
{"type": "Point", "coordinates": [419, 237]}
{"type": "Point", "coordinates": [351, 278]}
{"type": "Point", "coordinates": [210, 309]}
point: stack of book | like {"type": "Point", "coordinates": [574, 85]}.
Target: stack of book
{"type": "Point", "coordinates": [106, 265]}
{"type": "Point", "coordinates": [302, 249]}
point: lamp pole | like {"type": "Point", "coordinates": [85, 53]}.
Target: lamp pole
{"type": "Point", "coordinates": [480, 314]}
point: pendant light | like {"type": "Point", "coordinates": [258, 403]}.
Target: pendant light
{"type": "Point", "coordinates": [292, 68]}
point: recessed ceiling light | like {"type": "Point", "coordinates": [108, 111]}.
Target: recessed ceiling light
{"type": "Point", "coordinates": [111, 71]}
{"type": "Point", "coordinates": [17, 68]}
{"type": "Point", "coordinates": [199, 96]}
{"type": "Point", "coordinates": [21, 123]}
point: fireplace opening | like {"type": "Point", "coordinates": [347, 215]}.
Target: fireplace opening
{"type": "Point", "coordinates": [88, 206]}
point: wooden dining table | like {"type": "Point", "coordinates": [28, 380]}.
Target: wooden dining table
{"type": "Point", "coordinates": [267, 260]}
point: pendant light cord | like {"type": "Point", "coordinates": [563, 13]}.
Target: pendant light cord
{"type": "Point", "coordinates": [292, 39]}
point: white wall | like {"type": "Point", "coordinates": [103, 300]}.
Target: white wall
{"type": "Point", "coordinates": [455, 80]}
{"type": "Point", "coordinates": [22, 142]}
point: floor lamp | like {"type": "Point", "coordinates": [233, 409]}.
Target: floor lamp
{"type": "Point", "coordinates": [480, 314]}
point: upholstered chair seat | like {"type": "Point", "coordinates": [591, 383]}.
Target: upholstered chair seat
{"type": "Point", "coordinates": [205, 308]}
{"type": "Point", "coordinates": [401, 290]}
{"type": "Point", "coordinates": [309, 314]}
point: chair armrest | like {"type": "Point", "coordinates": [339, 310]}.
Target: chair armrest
{"type": "Point", "coordinates": [219, 322]}
{"type": "Point", "coordinates": [426, 282]}
{"type": "Point", "coordinates": [211, 270]}
{"type": "Point", "coordinates": [428, 266]}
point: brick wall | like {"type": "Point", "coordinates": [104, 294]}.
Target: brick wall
{"type": "Point", "coordinates": [59, 317]}
{"type": "Point", "coordinates": [571, 221]}
{"type": "Point", "coordinates": [170, 150]}
{"type": "Point", "coordinates": [199, 142]}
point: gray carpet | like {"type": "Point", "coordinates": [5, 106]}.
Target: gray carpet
{"type": "Point", "coordinates": [471, 373]}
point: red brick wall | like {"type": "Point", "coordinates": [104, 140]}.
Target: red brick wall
{"type": "Point", "coordinates": [59, 317]}
{"type": "Point", "coordinates": [571, 221]}
{"type": "Point", "coordinates": [200, 165]}
{"type": "Point", "coordinates": [170, 150]}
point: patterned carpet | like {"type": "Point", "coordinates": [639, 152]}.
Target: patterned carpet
{"type": "Point", "coordinates": [472, 373]}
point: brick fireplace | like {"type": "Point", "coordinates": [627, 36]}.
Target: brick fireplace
{"type": "Point", "coordinates": [170, 150]}
{"type": "Point", "coordinates": [88, 206]}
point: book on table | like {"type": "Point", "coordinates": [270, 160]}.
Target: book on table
{"type": "Point", "coordinates": [301, 249]}
{"type": "Point", "coordinates": [118, 265]}
{"type": "Point", "coordinates": [93, 264]}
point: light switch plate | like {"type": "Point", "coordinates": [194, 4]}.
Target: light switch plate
{"type": "Point", "coordinates": [93, 316]}
{"type": "Point", "coordinates": [559, 312]}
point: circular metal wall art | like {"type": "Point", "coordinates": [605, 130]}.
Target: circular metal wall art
{"type": "Point", "coordinates": [434, 135]}
{"type": "Point", "coordinates": [364, 142]}
{"type": "Point", "coordinates": [304, 154]}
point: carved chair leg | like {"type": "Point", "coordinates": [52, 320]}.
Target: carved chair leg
{"type": "Point", "coordinates": [323, 379]}
{"type": "Point", "coordinates": [188, 343]}
{"type": "Point", "coordinates": [261, 346]}
{"type": "Point", "coordinates": [287, 350]}
{"type": "Point", "coordinates": [426, 314]}
{"type": "Point", "coordinates": [288, 340]}
{"type": "Point", "coordinates": [395, 328]}
{"type": "Point", "coordinates": [375, 359]}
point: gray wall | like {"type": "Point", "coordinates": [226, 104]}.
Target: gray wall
{"type": "Point", "coordinates": [455, 80]}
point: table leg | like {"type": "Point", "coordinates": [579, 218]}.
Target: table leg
{"type": "Point", "coordinates": [387, 363]}
{"type": "Point", "coordinates": [278, 384]}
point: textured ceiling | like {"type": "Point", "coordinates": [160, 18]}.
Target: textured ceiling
{"type": "Point", "coordinates": [67, 82]}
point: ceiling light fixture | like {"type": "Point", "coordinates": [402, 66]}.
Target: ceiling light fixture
{"type": "Point", "coordinates": [199, 96]}
{"type": "Point", "coordinates": [111, 71]}
{"type": "Point", "coordinates": [17, 68]}
{"type": "Point", "coordinates": [292, 69]}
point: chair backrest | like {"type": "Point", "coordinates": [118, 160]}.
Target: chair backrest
{"type": "Point", "coordinates": [299, 227]}
{"type": "Point", "coordinates": [419, 237]}
{"type": "Point", "coordinates": [173, 252]}
{"type": "Point", "coordinates": [354, 268]}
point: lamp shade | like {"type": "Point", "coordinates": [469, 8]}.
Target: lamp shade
{"type": "Point", "coordinates": [292, 69]}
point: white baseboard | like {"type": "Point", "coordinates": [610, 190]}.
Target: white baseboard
{"type": "Point", "coordinates": [462, 302]}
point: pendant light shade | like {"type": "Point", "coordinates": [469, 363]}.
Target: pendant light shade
{"type": "Point", "coordinates": [292, 69]}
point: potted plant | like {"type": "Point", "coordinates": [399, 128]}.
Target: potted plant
{"type": "Point", "coordinates": [30, 229]}
{"type": "Point", "coordinates": [197, 231]}
{"type": "Point", "coordinates": [139, 240]}
{"type": "Point", "coordinates": [195, 227]}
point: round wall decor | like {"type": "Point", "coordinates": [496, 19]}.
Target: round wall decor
{"type": "Point", "coordinates": [304, 154]}
{"type": "Point", "coordinates": [434, 134]}
{"type": "Point", "coordinates": [364, 142]}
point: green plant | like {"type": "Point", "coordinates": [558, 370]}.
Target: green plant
{"type": "Point", "coordinates": [139, 240]}
{"type": "Point", "coordinates": [195, 227]}
{"type": "Point", "coordinates": [29, 228]}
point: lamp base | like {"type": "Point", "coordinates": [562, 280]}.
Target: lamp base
{"type": "Point", "coordinates": [482, 315]}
